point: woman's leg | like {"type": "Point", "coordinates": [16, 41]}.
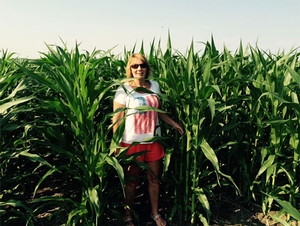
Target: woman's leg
{"type": "Point", "coordinates": [153, 182]}
{"type": "Point", "coordinates": [132, 174]}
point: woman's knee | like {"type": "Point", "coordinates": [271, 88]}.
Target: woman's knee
{"type": "Point", "coordinates": [152, 178]}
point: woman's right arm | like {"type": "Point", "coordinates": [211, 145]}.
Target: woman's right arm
{"type": "Point", "coordinates": [117, 119]}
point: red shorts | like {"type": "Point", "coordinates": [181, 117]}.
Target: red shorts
{"type": "Point", "coordinates": [155, 151]}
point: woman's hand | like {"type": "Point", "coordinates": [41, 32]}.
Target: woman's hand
{"type": "Point", "coordinates": [178, 127]}
{"type": "Point", "coordinates": [170, 121]}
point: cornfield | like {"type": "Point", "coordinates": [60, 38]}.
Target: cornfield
{"type": "Point", "coordinates": [240, 111]}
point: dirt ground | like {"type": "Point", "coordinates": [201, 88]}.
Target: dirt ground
{"type": "Point", "coordinates": [231, 214]}
{"type": "Point", "coordinates": [230, 217]}
{"type": "Point", "coordinates": [241, 216]}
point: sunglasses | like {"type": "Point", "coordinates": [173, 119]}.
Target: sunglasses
{"type": "Point", "coordinates": [136, 66]}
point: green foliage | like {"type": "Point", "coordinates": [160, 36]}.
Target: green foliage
{"type": "Point", "coordinates": [240, 112]}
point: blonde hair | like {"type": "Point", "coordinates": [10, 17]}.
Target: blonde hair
{"type": "Point", "coordinates": [142, 58]}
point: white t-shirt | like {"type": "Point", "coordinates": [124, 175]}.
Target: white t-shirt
{"type": "Point", "coordinates": [139, 126]}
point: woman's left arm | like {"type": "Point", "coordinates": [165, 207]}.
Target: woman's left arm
{"type": "Point", "coordinates": [166, 118]}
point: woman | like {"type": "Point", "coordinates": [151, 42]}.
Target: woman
{"type": "Point", "coordinates": [140, 126]}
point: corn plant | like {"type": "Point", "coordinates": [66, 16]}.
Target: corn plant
{"type": "Point", "coordinates": [216, 96]}
{"type": "Point", "coordinates": [240, 111]}
{"type": "Point", "coordinates": [78, 91]}
{"type": "Point", "coordinates": [188, 91]}
{"type": "Point", "coordinates": [13, 153]}
{"type": "Point", "coordinates": [277, 125]}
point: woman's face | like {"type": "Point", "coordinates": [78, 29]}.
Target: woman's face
{"type": "Point", "coordinates": [138, 69]}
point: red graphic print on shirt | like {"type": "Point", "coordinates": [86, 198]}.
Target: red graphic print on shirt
{"type": "Point", "coordinates": [145, 122]}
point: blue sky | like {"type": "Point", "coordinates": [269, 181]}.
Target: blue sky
{"type": "Point", "coordinates": [26, 25]}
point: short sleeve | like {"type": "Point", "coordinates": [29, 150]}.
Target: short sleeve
{"type": "Point", "coordinates": [120, 96]}
{"type": "Point", "coordinates": [155, 87]}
